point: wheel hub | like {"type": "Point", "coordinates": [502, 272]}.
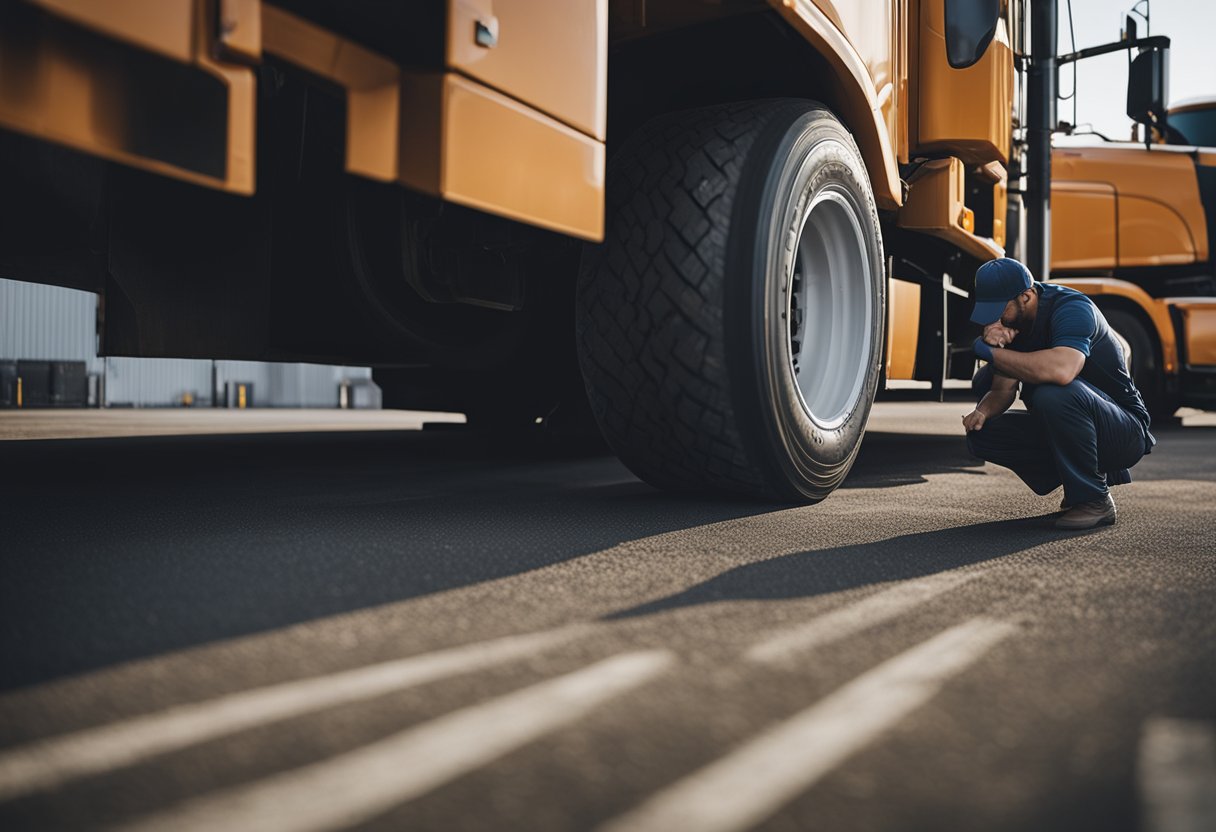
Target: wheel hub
{"type": "Point", "coordinates": [829, 310]}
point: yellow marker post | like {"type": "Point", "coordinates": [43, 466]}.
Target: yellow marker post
{"type": "Point", "coordinates": [18, 391]}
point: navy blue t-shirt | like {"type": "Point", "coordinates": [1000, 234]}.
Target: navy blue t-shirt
{"type": "Point", "coordinates": [1068, 318]}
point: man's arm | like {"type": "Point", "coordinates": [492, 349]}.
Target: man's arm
{"type": "Point", "coordinates": [995, 402]}
{"type": "Point", "coordinates": [1057, 365]}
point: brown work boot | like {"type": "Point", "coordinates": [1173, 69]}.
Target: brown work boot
{"type": "Point", "coordinates": [1088, 515]}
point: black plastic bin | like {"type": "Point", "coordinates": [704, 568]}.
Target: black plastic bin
{"type": "Point", "coordinates": [33, 383]}
{"type": "Point", "coordinates": [69, 384]}
{"type": "Point", "coordinates": [8, 383]}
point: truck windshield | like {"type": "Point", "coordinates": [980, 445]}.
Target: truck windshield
{"type": "Point", "coordinates": [1196, 127]}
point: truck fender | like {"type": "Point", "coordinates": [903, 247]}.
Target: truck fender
{"type": "Point", "coordinates": [1155, 310]}
{"type": "Point", "coordinates": [853, 96]}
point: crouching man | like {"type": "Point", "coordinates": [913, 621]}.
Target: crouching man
{"type": "Point", "coordinates": [1085, 424]}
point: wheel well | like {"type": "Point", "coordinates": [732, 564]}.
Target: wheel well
{"type": "Point", "coordinates": [742, 57]}
{"type": "Point", "coordinates": [1130, 307]}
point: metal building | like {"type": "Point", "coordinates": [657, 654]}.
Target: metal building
{"type": "Point", "coordinates": [49, 323]}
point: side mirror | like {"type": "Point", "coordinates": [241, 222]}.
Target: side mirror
{"type": "Point", "coordinates": [1148, 87]}
{"type": "Point", "coordinates": [970, 27]}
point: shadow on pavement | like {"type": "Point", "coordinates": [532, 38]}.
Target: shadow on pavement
{"type": "Point", "coordinates": [117, 549]}
{"type": "Point", "coordinates": [1182, 453]}
{"type": "Point", "coordinates": [891, 459]}
{"type": "Point", "coordinates": [823, 571]}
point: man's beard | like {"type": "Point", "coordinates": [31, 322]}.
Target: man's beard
{"type": "Point", "coordinates": [1020, 321]}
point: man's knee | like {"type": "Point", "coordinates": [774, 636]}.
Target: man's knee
{"type": "Point", "coordinates": [1054, 397]}
{"type": "Point", "coordinates": [983, 444]}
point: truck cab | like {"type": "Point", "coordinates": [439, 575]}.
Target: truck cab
{"type": "Point", "coordinates": [1134, 226]}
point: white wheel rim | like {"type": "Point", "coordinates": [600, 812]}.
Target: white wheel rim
{"type": "Point", "coordinates": [829, 310]}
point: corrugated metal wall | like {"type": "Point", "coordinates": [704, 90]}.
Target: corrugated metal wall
{"type": "Point", "coordinates": [48, 322]}
{"type": "Point", "coordinates": [52, 323]}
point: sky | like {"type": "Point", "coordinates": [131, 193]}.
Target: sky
{"type": "Point", "coordinates": [1102, 81]}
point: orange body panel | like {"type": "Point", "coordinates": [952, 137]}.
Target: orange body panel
{"type": "Point", "coordinates": [964, 112]}
{"type": "Point", "coordinates": [1199, 328]}
{"type": "Point", "coordinates": [861, 103]}
{"type": "Point", "coordinates": [469, 142]}
{"type": "Point", "coordinates": [1152, 232]}
{"type": "Point", "coordinates": [935, 206]}
{"type": "Point", "coordinates": [488, 151]}
{"type": "Point", "coordinates": [240, 32]}
{"type": "Point", "coordinates": [1204, 103]}
{"type": "Point", "coordinates": [449, 136]}
{"type": "Point", "coordinates": [73, 87]}
{"type": "Point", "coordinates": [1000, 207]}
{"type": "Point", "coordinates": [882, 50]}
{"type": "Point", "coordinates": [1156, 309]}
{"type": "Point", "coordinates": [162, 26]}
{"type": "Point", "coordinates": [1083, 222]}
{"type": "Point", "coordinates": [1160, 218]}
{"type": "Point", "coordinates": [515, 122]}
{"type": "Point", "coordinates": [465, 141]}
{"type": "Point", "coordinates": [372, 84]}
{"type": "Point", "coordinates": [553, 56]}
{"type": "Point", "coordinates": [903, 327]}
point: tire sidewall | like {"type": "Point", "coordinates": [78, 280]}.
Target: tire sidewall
{"type": "Point", "coordinates": [802, 153]}
{"type": "Point", "coordinates": [1144, 367]}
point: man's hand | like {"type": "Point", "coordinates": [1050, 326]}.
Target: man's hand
{"type": "Point", "coordinates": [974, 420]}
{"type": "Point", "coordinates": [996, 334]}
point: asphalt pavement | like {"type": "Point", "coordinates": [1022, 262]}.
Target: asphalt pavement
{"type": "Point", "coordinates": [435, 630]}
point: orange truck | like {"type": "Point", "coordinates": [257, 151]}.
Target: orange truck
{"type": "Point", "coordinates": [1134, 227]}
{"type": "Point", "coordinates": [715, 227]}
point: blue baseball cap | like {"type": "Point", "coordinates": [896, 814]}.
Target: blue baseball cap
{"type": "Point", "coordinates": [996, 283]}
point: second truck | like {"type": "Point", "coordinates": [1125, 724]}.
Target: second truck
{"type": "Point", "coordinates": [1134, 226]}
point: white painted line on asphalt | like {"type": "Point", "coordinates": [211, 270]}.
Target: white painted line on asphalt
{"type": "Point", "coordinates": [359, 785]}
{"type": "Point", "coordinates": [1176, 771]}
{"type": "Point", "coordinates": [854, 618]}
{"type": "Point", "coordinates": [54, 761]}
{"type": "Point", "coordinates": [750, 784]}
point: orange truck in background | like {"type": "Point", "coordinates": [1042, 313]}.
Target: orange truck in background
{"type": "Point", "coordinates": [715, 228]}
{"type": "Point", "coordinates": [1134, 226]}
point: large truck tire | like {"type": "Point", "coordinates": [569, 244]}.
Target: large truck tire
{"type": "Point", "coordinates": [730, 325]}
{"type": "Point", "coordinates": [1145, 365]}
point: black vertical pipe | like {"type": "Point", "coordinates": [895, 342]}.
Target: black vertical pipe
{"type": "Point", "coordinates": [1040, 121]}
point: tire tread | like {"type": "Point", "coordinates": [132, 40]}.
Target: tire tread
{"type": "Point", "coordinates": [651, 302]}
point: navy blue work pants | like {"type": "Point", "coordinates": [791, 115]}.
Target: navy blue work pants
{"type": "Point", "coordinates": [1072, 434]}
